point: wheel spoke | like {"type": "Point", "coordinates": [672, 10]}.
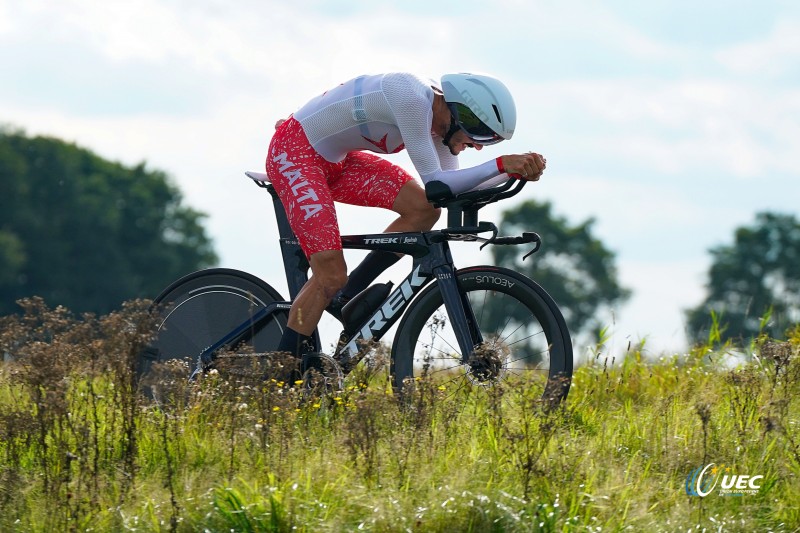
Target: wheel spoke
{"type": "Point", "coordinates": [522, 332]}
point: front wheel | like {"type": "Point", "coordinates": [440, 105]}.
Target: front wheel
{"type": "Point", "coordinates": [524, 335]}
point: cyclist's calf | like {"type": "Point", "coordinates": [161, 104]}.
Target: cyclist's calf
{"type": "Point", "coordinates": [329, 272]}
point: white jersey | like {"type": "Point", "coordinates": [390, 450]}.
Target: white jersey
{"type": "Point", "coordinates": [385, 113]}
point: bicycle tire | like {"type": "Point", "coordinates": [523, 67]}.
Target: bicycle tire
{"type": "Point", "coordinates": [200, 308]}
{"type": "Point", "coordinates": [524, 334]}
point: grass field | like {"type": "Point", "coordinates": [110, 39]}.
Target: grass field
{"type": "Point", "coordinates": [82, 450]}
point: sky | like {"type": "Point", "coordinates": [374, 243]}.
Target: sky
{"type": "Point", "coordinates": [670, 123]}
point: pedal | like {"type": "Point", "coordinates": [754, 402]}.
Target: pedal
{"type": "Point", "coordinates": [321, 373]}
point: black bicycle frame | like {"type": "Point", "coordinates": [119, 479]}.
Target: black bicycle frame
{"type": "Point", "coordinates": [431, 260]}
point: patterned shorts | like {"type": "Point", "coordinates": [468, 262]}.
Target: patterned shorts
{"type": "Point", "coordinates": [308, 185]}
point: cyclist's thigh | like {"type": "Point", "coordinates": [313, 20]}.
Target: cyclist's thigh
{"type": "Point", "coordinates": [300, 177]}
{"type": "Point", "coordinates": [368, 180]}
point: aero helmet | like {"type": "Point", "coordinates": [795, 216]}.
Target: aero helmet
{"type": "Point", "coordinates": [481, 106]}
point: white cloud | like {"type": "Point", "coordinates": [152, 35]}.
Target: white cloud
{"type": "Point", "coordinates": [672, 127]}
{"type": "Point", "coordinates": [776, 55]}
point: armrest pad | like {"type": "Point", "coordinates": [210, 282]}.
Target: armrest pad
{"type": "Point", "coordinates": [436, 191]}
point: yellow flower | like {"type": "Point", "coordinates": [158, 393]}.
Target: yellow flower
{"type": "Point", "coordinates": [276, 408]}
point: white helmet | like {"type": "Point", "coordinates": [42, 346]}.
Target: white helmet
{"type": "Point", "coordinates": [481, 106]}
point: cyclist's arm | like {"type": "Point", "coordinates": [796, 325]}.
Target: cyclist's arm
{"type": "Point", "coordinates": [465, 179]}
{"type": "Point", "coordinates": [434, 162]}
{"type": "Point", "coordinates": [411, 105]}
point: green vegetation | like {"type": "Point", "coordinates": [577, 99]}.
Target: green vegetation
{"type": "Point", "coordinates": [88, 233]}
{"type": "Point", "coordinates": [82, 449]}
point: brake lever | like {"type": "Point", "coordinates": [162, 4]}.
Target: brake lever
{"type": "Point", "coordinates": [492, 239]}
{"type": "Point", "coordinates": [538, 245]}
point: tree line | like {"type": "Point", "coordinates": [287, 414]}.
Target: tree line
{"type": "Point", "coordinates": [89, 234]}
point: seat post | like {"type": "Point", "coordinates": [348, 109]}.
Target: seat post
{"type": "Point", "coordinates": [284, 229]}
{"type": "Point", "coordinates": [294, 260]}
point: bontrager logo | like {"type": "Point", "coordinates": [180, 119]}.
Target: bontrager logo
{"type": "Point", "coordinates": [703, 480]}
{"type": "Point", "coordinates": [392, 305]}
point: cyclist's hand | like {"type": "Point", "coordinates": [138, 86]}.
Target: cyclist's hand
{"type": "Point", "coordinates": [529, 166]}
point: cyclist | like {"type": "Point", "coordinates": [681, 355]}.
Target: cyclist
{"type": "Point", "coordinates": [320, 154]}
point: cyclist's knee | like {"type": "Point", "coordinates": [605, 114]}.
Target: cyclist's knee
{"type": "Point", "coordinates": [413, 206]}
{"type": "Point", "coordinates": [430, 217]}
{"type": "Point", "coordinates": [422, 216]}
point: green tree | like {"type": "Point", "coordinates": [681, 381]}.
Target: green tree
{"type": "Point", "coordinates": [753, 285]}
{"type": "Point", "coordinates": [572, 265]}
{"type": "Point", "coordinates": [87, 233]}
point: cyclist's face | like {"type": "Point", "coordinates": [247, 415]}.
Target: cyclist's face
{"type": "Point", "coordinates": [460, 142]}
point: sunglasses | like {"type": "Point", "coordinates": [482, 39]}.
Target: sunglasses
{"type": "Point", "coordinates": [472, 126]}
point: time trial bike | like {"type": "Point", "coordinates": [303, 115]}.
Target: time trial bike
{"type": "Point", "coordinates": [471, 326]}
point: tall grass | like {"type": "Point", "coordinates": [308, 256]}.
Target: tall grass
{"type": "Point", "coordinates": [82, 449]}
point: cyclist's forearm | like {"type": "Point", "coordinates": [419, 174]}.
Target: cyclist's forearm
{"type": "Point", "coordinates": [464, 179]}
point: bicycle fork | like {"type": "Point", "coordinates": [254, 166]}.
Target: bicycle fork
{"type": "Point", "coordinates": [459, 310]}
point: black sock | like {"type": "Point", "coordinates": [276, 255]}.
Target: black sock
{"type": "Point", "coordinates": [370, 268]}
{"type": "Point", "coordinates": [295, 343]}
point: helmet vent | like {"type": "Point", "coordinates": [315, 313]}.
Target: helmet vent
{"type": "Point", "coordinates": [497, 113]}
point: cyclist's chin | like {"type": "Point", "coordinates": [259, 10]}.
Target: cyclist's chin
{"type": "Point", "coordinates": [457, 149]}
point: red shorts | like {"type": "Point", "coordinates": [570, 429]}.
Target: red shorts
{"type": "Point", "coordinates": [308, 185]}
